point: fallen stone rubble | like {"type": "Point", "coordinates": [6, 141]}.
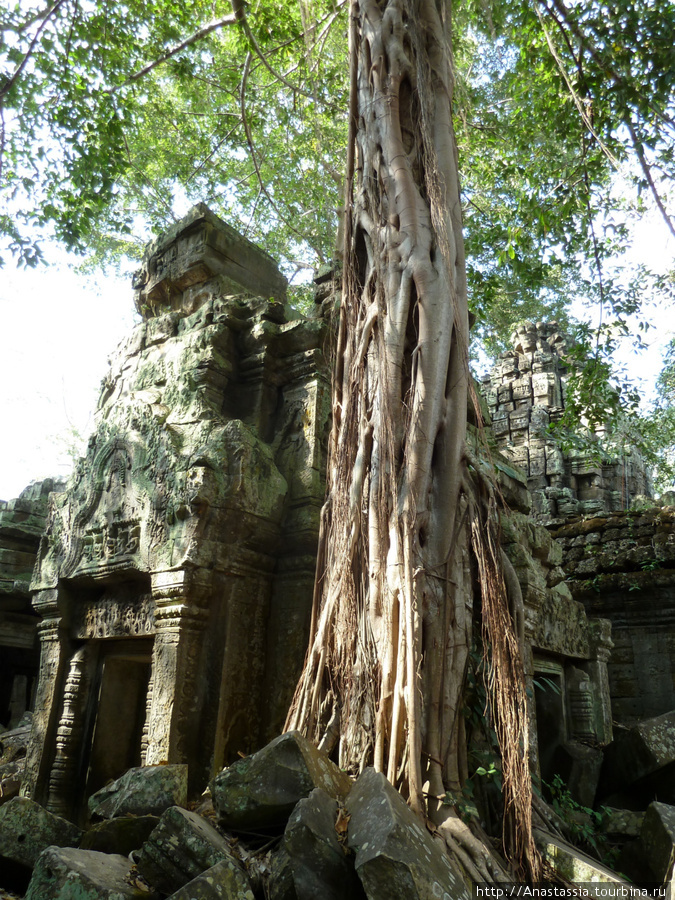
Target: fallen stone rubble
{"type": "Point", "coordinates": [282, 824]}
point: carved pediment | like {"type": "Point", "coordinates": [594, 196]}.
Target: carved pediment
{"type": "Point", "coordinates": [109, 520]}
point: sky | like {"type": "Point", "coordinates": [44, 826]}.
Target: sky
{"type": "Point", "coordinates": [58, 328]}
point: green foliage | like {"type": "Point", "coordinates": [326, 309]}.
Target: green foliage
{"type": "Point", "coordinates": [658, 425]}
{"type": "Point", "coordinates": [583, 823]}
{"type": "Point", "coordinates": [547, 111]}
{"type": "Point", "coordinates": [114, 118]}
{"type": "Point", "coordinates": [97, 155]}
{"type": "Point", "coordinates": [543, 683]}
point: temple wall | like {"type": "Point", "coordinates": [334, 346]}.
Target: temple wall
{"type": "Point", "coordinates": [622, 567]}
{"type": "Point", "coordinates": [22, 522]}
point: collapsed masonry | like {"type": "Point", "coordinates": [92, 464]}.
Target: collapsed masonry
{"type": "Point", "coordinates": [175, 577]}
{"type": "Point", "coordinates": [526, 392]}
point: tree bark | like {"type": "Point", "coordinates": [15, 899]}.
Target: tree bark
{"type": "Point", "coordinates": [393, 610]}
{"type": "Point", "coordinates": [392, 619]}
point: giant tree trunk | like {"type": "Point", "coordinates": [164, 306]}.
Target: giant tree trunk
{"type": "Point", "coordinates": [393, 604]}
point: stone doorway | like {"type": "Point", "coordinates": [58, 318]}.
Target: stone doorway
{"type": "Point", "coordinates": [118, 706]}
{"type": "Point", "coordinates": [550, 711]}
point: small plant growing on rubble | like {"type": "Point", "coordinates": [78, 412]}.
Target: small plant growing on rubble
{"type": "Point", "coordinates": [583, 823]}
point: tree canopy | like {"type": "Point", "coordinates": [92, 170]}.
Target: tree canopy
{"type": "Point", "coordinates": [113, 115]}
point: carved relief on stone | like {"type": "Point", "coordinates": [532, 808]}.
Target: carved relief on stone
{"type": "Point", "coordinates": [113, 616]}
{"type": "Point", "coordinates": [201, 484]}
{"type": "Point", "coordinates": [62, 788]}
{"type": "Point", "coordinates": [581, 705]}
{"type": "Point", "coordinates": [180, 622]}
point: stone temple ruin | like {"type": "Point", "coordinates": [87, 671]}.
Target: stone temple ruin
{"type": "Point", "coordinates": [171, 595]}
{"type": "Point", "coordinates": [22, 523]}
{"type": "Point", "coordinates": [526, 392]}
{"type": "Point", "coordinates": [175, 577]}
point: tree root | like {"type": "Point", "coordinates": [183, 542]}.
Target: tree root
{"type": "Point", "coordinates": [473, 851]}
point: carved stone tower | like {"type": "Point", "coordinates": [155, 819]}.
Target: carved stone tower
{"type": "Point", "coordinates": [526, 391]}
{"type": "Point", "coordinates": [175, 578]}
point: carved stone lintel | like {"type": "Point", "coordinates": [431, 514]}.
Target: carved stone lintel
{"type": "Point", "coordinates": [113, 617]}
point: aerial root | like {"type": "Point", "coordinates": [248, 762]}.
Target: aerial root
{"type": "Point", "coordinates": [475, 853]}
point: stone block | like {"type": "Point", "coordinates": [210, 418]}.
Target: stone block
{"type": "Point", "coordinates": [537, 462]}
{"type": "Point", "coordinates": [11, 776]}
{"type": "Point", "coordinates": [657, 839]}
{"type": "Point", "coordinates": [120, 835]}
{"type": "Point", "coordinates": [572, 865]}
{"type": "Point", "coordinates": [261, 790]}
{"type": "Point", "coordinates": [26, 829]}
{"type": "Point", "coordinates": [579, 766]}
{"type": "Point", "coordinates": [539, 418]}
{"type": "Point", "coordinates": [196, 249]}
{"type": "Point", "coordinates": [500, 427]}
{"type": "Point", "coordinates": [281, 885]}
{"type": "Point", "coordinates": [544, 387]}
{"type": "Point", "coordinates": [519, 420]}
{"type": "Point", "coordinates": [224, 881]}
{"type": "Point", "coordinates": [146, 790]}
{"type": "Point", "coordinates": [65, 874]}
{"type": "Point", "coordinates": [396, 857]}
{"type": "Point", "coordinates": [318, 862]}
{"type": "Point", "coordinates": [520, 456]}
{"type": "Point", "coordinates": [554, 461]}
{"type": "Point", "coordinates": [621, 823]}
{"type": "Point", "coordinates": [522, 391]}
{"type": "Point", "coordinates": [637, 752]}
{"type": "Point", "coordinates": [181, 847]}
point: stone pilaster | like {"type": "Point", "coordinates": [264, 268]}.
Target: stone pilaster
{"type": "Point", "coordinates": [180, 625]}
{"type": "Point", "coordinates": [64, 790]}
{"type": "Point", "coordinates": [601, 647]}
{"type": "Point", "coordinates": [53, 659]}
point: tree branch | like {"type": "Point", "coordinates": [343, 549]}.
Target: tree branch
{"type": "Point", "coordinates": [577, 100]}
{"type": "Point", "coordinates": [249, 141]}
{"type": "Point", "coordinates": [7, 86]}
{"type": "Point", "coordinates": [594, 52]}
{"type": "Point", "coordinates": [201, 33]}
{"type": "Point", "coordinates": [240, 16]}
{"type": "Point", "coordinates": [646, 169]}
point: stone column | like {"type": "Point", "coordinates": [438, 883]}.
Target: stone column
{"type": "Point", "coordinates": [180, 618]}
{"type": "Point", "coordinates": [601, 648]}
{"type": "Point", "coordinates": [64, 790]}
{"type": "Point", "coordinates": [53, 659]}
